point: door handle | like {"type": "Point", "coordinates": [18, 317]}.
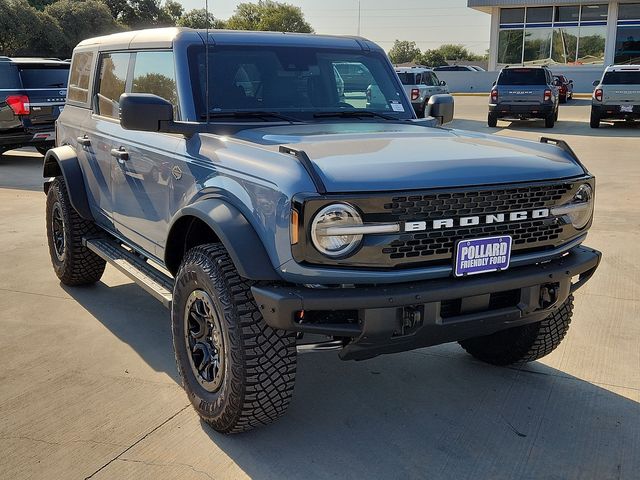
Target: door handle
{"type": "Point", "coordinates": [120, 153]}
{"type": "Point", "coordinates": [84, 141]}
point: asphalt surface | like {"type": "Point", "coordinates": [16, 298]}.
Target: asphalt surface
{"type": "Point", "coordinates": [88, 385]}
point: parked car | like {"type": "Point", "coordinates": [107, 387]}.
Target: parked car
{"type": "Point", "coordinates": [32, 95]}
{"type": "Point", "coordinates": [524, 93]}
{"type": "Point", "coordinates": [617, 95]}
{"type": "Point", "coordinates": [287, 213]}
{"type": "Point", "coordinates": [565, 88]}
{"type": "Point", "coordinates": [420, 83]}
{"type": "Point", "coordinates": [458, 68]}
{"type": "Point", "coordinates": [355, 76]}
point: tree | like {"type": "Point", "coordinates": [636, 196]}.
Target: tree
{"type": "Point", "coordinates": [116, 7]}
{"type": "Point", "coordinates": [173, 10]}
{"type": "Point", "coordinates": [404, 51]}
{"type": "Point", "coordinates": [25, 31]}
{"type": "Point", "coordinates": [197, 18]}
{"type": "Point", "coordinates": [80, 20]}
{"type": "Point", "coordinates": [40, 4]}
{"type": "Point", "coordinates": [457, 52]}
{"type": "Point", "coordinates": [432, 58]}
{"type": "Point", "coordinates": [137, 14]}
{"type": "Point", "coordinates": [270, 16]}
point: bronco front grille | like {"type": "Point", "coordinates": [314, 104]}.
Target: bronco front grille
{"type": "Point", "coordinates": [439, 244]}
{"type": "Point", "coordinates": [433, 246]}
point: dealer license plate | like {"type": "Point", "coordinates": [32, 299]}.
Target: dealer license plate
{"type": "Point", "coordinates": [626, 108]}
{"type": "Point", "coordinates": [482, 255]}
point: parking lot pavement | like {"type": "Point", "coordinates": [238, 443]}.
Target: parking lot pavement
{"type": "Point", "coordinates": [88, 386]}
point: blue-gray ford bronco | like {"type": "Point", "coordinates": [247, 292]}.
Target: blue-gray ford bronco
{"type": "Point", "coordinates": [524, 93]}
{"type": "Point", "coordinates": [232, 178]}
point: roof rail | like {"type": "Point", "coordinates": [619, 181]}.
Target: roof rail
{"type": "Point", "coordinates": [4, 59]}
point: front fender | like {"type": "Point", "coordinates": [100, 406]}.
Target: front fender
{"type": "Point", "coordinates": [236, 234]}
{"type": "Point", "coordinates": [64, 161]}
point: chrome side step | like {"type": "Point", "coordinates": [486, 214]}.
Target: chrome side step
{"type": "Point", "coordinates": [149, 278]}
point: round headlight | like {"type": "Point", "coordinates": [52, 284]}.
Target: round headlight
{"type": "Point", "coordinates": [580, 209]}
{"type": "Point", "coordinates": [330, 230]}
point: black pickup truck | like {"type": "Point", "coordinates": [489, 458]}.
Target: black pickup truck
{"type": "Point", "coordinates": [32, 95]}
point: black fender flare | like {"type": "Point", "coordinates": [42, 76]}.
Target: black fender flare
{"type": "Point", "coordinates": [236, 234]}
{"type": "Point", "coordinates": [64, 161]}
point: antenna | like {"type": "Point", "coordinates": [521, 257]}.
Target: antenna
{"type": "Point", "coordinates": [206, 59]}
{"type": "Point", "coordinates": [358, 17]}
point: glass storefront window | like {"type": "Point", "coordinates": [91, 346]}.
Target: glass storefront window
{"type": "Point", "coordinates": [512, 15]}
{"type": "Point", "coordinates": [565, 44]}
{"type": "Point", "coordinates": [629, 11]}
{"type": "Point", "coordinates": [510, 46]}
{"type": "Point", "coordinates": [537, 46]}
{"type": "Point", "coordinates": [539, 14]}
{"type": "Point", "coordinates": [591, 45]}
{"type": "Point", "coordinates": [628, 45]}
{"type": "Point", "coordinates": [567, 14]}
{"type": "Point", "coordinates": [594, 12]}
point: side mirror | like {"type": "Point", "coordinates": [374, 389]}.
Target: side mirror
{"type": "Point", "coordinates": [596, 83]}
{"type": "Point", "coordinates": [441, 108]}
{"type": "Point", "coordinates": [571, 82]}
{"type": "Point", "coordinates": [494, 83]}
{"type": "Point", "coordinates": [443, 83]}
{"type": "Point", "coordinates": [146, 112]}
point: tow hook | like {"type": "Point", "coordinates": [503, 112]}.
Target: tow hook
{"type": "Point", "coordinates": [549, 295]}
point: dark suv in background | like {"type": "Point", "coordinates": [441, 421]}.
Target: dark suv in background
{"type": "Point", "coordinates": [32, 95]}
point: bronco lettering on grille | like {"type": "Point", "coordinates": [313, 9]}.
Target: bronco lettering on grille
{"type": "Point", "coordinates": [441, 223]}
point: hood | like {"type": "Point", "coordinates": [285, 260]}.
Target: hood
{"type": "Point", "coordinates": [359, 157]}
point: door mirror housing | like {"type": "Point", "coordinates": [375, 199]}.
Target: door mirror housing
{"type": "Point", "coordinates": [596, 83]}
{"type": "Point", "coordinates": [443, 83]}
{"type": "Point", "coordinates": [146, 112]}
{"type": "Point", "coordinates": [441, 107]}
{"type": "Point", "coordinates": [571, 82]}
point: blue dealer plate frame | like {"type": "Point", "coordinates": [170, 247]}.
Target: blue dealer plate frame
{"type": "Point", "coordinates": [474, 256]}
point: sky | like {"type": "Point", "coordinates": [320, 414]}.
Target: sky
{"type": "Point", "coordinates": [429, 23]}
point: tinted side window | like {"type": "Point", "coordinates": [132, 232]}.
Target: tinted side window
{"type": "Point", "coordinates": [9, 78]}
{"type": "Point", "coordinates": [112, 83]}
{"type": "Point", "coordinates": [78, 90]}
{"type": "Point", "coordinates": [154, 72]}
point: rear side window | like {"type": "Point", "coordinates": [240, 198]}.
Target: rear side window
{"type": "Point", "coordinates": [38, 76]}
{"type": "Point", "coordinates": [9, 78]}
{"type": "Point", "coordinates": [78, 90]}
{"type": "Point", "coordinates": [523, 76]}
{"type": "Point", "coordinates": [406, 78]}
{"type": "Point", "coordinates": [112, 83]}
{"type": "Point", "coordinates": [154, 73]}
{"type": "Point", "coordinates": [622, 78]}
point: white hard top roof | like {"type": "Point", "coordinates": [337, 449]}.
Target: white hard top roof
{"type": "Point", "coordinates": [150, 38]}
{"type": "Point", "coordinates": [623, 68]}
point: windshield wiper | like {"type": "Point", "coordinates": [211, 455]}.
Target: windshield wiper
{"type": "Point", "coordinates": [353, 114]}
{"type": "Point", "coordinates": [251, 114]}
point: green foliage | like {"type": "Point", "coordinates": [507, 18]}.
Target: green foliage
{"type": "Point", "coordinates": [404, 51]}
{"type": "Point", "coordinates": [40, 4]}
{"type": "Point", "coordinates": [79, 20]}
{"type": "Point", "coordinates": [456, 52]}
{"type": "Point", "coordinates": [432, 58]}
{"type": "Point", "coordinates": [157, 84]}
{"type": "Point", "coordinates": [139, 14]}
{"type": "Point", "coordinates": [25, 31]}
{"type": "Point", "coordinates": [197, 18]}
{"type": "Point", "coordinates": [173, 11]}
{"type": "Point", "coordinates": [268, 15]}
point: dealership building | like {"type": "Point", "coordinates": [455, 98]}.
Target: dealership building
{"type": "Point", "coordinates": [566, 35]}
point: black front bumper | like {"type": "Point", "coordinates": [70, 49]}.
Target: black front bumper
{"type": "Point", "coordinates": [613, 112]}
{"type": "Point", "coordinates": [513, 110]}
{"type": "Point", "coordinates": [394, 318]}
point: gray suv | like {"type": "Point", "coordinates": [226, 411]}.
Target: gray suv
{"type": "Point", "coordinates": [420, 83]}
{"type": "Point", "coordinates": [617, 95]}
{"type": "Point", "coordinates": [524, 93]}
{"type": "Point", "coordinates": [230, 176]}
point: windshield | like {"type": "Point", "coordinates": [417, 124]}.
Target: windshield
{"type": "Point", "coordinates": [297, 81]}
{"type": "Point", "coordinates": [44, 77]}
{"type": "Point", "coordinates": [522, 76]}
{"type": "Point", "coordinates": [622, 78]}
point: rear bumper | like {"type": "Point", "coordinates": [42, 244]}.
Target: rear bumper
{"type": "Point", "coordinates": [394, 318]}
{"type": "Point", "coordinates": [508, 110]}
{"type": "Point", "coordinates": [612, 112]}
{"type": "Point", "coordinates": [28, 136]}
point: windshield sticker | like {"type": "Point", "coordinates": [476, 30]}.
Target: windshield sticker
{"type": "Point", "coordinates": [396, 106]}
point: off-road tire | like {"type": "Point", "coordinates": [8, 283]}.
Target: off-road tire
{"type": "Point", "coordinates": [78, 265]}
{"type": "Point", "coordinates": [525, 343]}
{"type": "Point", "coordinates": [594, 122]}
{"type": "Point", "coordinates": [550, 120]}
{"type": "Point", "coordinates": [492, 120]}
{"type": "Point", "coordinates": [259, 362]}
